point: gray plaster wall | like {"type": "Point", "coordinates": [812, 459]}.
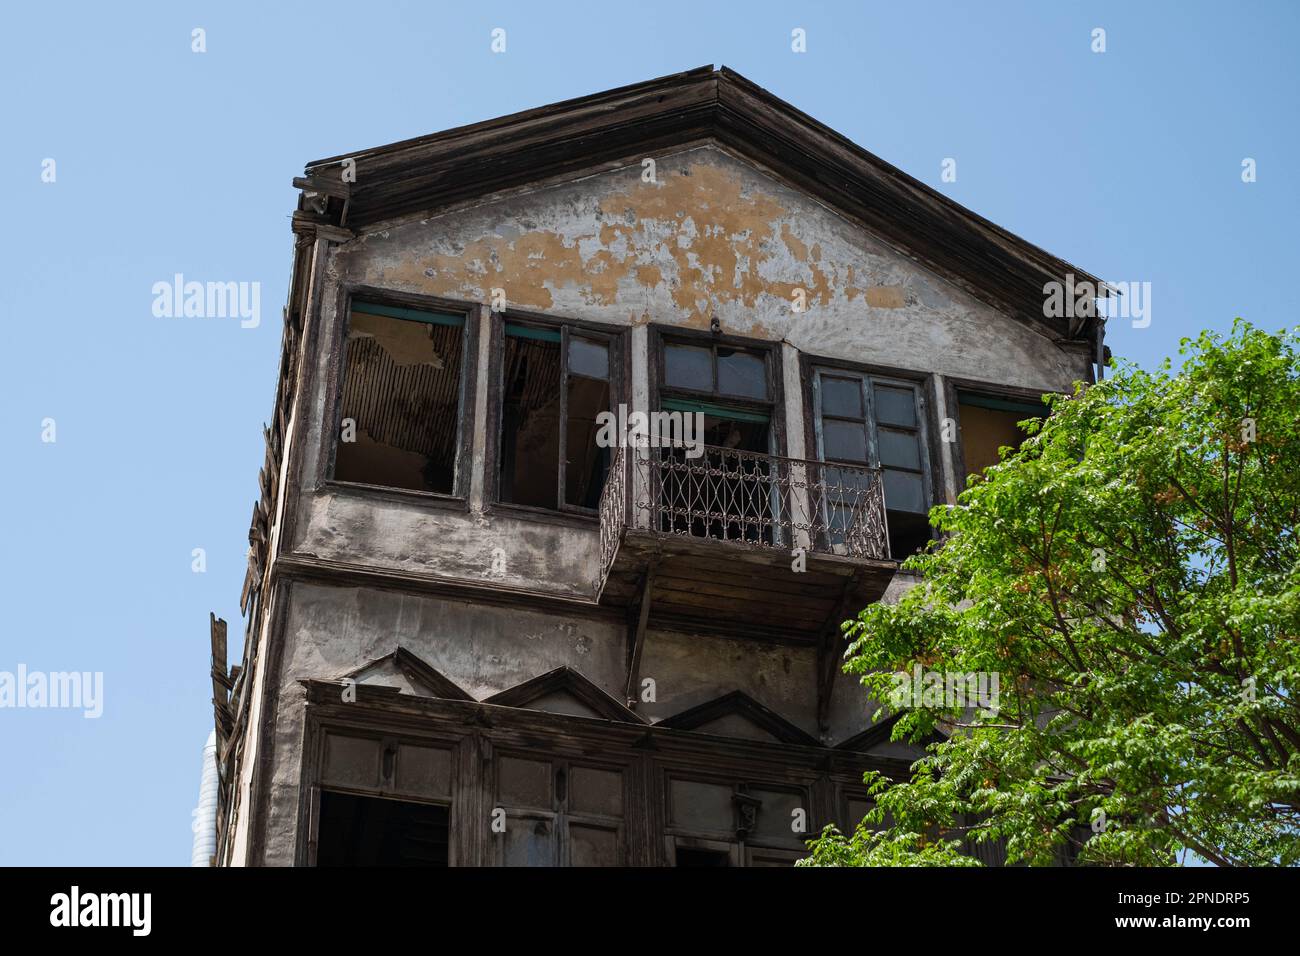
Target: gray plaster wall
{"type": "Point", "coordinates": [711, 236]}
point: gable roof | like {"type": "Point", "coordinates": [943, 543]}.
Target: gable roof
{"type": "Point", "coordinates": [738, 704]}
{"type": "Point", "coordinates": [620, 126]}
{"type": "Point", "coordinates": [423, 677]}
{"type": "Point", "coordinates": [565, 681]}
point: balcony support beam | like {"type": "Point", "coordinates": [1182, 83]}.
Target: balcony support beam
{"type": "Point", "coordinates": [636, 638]}
{"type": "Point", "coordinates": [829, 654]}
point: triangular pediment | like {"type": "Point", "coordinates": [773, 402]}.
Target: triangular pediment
{"type": "Point", "coordinates": [410, 674]}
{"type": "Point", "coordinates": [565, 691]}
{"type": "Point", "coordinates": [738, 715]}
{"type": "Point", "coordinates": [617, 128]}
{"type": "Point", "coordinates": [875, 739]}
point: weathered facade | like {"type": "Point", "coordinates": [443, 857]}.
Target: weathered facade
{"type": "Point", "coordinates": [479, 631]}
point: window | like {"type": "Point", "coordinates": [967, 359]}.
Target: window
{"type": "Point", "coordinates": [400, 411]}
{"type": "Point", "coordinates": [877, 422]}
{"type": "Point", "coordinates": [729, 386]}
{"type": "Point", "coordinates": [369, 831]}
{"type": "Point", "coordinates": [988, 424]}
{"type": "Point", "coordinates": [559, 813]}
{"type": "Point", "coordinates": [726, 494]}
{"type": "Point", "coordinates": [555, 382]}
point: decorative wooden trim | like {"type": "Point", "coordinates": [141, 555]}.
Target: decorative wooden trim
{"type": "Point", "coordinates": [739, 703]}
{"type": "Point", "coordinates": [566, 680]}
{"type": "Point", "coordinates": [417, 671]}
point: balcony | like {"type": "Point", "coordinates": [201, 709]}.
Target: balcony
{"type": "Point", "coordinates": [738, 542]}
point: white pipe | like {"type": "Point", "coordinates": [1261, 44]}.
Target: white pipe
{"type": "Point", "coordinates": [205, 814]}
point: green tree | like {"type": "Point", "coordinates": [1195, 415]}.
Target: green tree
{"type": "Point", "coordinates": [1131, 575]}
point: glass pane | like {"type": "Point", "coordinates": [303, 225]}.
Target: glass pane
{"type": "Point", "coordinates": [899, 448]}
{"type": "Point", "coordinates": [842, 397]}
{"type": "Point", "coordinates": [847, 483]}
{"type": "Point", "coordinates": [524, 783]}
{"type": "Point", "coordinates": [401, 404]}
{"type": "Point", "coordinates": [529, 842]}
{"type": "Point", "coordinates": [530, 423]}
{"type": "Point", "coordinates": [686, 366]}
{"type": "Point", "coordinates": [594, 845]}
{"type": "Point", "coordinates": [584, 472]}
{"type": "Point", "coordinates": [588, 358]}
{"type": "Point", "coordinates": [895, 406]}
{"type": "Point", "coordinates": [844, 441]}
{"type": "Point", "coordinates": [904, 491]}
{"type": "Point", "coordinates": [742, 373]}
{"type": "Point", "coordinates": [596, 791]}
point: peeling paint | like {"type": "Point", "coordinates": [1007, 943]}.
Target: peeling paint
{"type": "Point", "coordinates": [713, 237]}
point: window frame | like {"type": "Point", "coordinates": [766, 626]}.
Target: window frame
{"type": "Point", "coordinates": [560, 815]}
{"type": "Point", "coordinates": [465, 399]}
{"type": "Point", "coordinates": [312, 782]}
{"type": "Point", "coordinates": [614, 337]}
{"type": "Point", "coordinates": [954, 388]}
{"type": "Point", "coordinates": [774, 405]}
{"type": "Point", "coordinates": [869, 377]}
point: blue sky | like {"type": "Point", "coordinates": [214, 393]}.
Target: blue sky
{"type": "Point", "coordinates": [1127, 163]}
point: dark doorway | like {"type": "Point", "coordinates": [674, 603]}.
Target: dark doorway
{"type": "Point", "coordinates": [693, 856]}
{"type": "Point", "coordinates": [368, 831]}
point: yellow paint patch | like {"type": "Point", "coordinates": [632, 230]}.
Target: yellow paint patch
{"type": "Point", "coordinates": [886, 296]}
{"type": "Point", "coordinates": [722, 239]}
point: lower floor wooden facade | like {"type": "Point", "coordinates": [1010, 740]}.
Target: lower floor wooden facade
{"type": "Point", "coordinates": [393, 778]}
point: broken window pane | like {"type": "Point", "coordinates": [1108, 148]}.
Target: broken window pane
{"type": "Point", "coordinates": [401, 399]}
{"type": "Point", "coordinates": [741, 373]}
{"type": "Point", "coordinates": [687, 366]}
{"type": "Point", "coordinates": [985, 428]}
{"type": "Point", "coordinates": [693, 856]}
{"type": "Point", "coordinates": [530, 420]}
{"type": "Point", "coordinates": [540, 389]}
{"type": "Point", "coordinates": [588, 396]}
{"type": "Point", "coordinates": [367, 831]}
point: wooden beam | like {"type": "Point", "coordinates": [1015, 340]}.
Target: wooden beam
{"type": "Point", "coordinates": [827, 657]}
{"type": "Point", "coordinates": [636, 639]}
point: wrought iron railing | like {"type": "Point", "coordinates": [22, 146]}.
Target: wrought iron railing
{"type": "Point", "coordinates": [613, 512]}
{"type": "Point", "coordinates": [762, 501]}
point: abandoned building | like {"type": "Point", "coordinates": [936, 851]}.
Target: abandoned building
{"type": "Point", "coordinates": [477, 633]}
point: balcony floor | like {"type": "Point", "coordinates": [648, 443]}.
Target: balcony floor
{"type": "Point", "coordinates": [723, 587]}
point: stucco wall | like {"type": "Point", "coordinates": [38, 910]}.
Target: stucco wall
{"type": "Point", "coordinates": [712, 236]}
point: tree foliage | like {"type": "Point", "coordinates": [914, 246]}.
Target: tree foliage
{"type": "Point", "coordinates": [1131, 575]}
